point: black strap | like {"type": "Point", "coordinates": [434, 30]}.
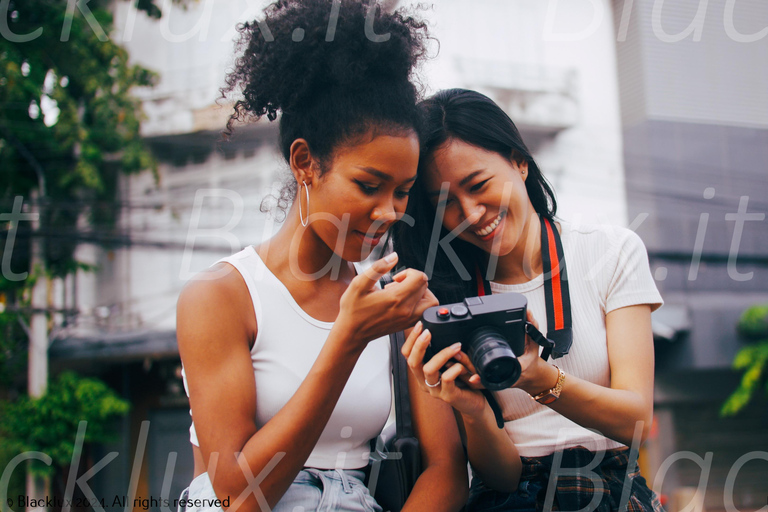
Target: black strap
{"type": "Point", "coordinates": [403, 420]}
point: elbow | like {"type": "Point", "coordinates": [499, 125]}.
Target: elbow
{"type": "Point", "coordinates": [644, 431]}
{"type": "Point", "coordinates": [504, 478]}
{"type": "Point", "coordinates": [636, 433]}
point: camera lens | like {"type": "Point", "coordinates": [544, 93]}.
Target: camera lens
{"type": "Point", "coordinates": [494, 360]}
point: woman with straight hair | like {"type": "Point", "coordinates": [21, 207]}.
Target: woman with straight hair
{"type": "Point", "coordinates": [587, 284]}
{"type": "Point", "coordinates": [285, 345]}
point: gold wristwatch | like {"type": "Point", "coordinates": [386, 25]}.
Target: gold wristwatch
{"type": "Point", "coordinates": [549, 396]}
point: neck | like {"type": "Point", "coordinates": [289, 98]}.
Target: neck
{"type": "Point", "coordinates": [523, 263]}
{"type": "Point", "coordinates": [298, 251]}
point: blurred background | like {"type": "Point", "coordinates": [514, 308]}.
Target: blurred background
{"type": "Point", "coordinates": [642, 113]}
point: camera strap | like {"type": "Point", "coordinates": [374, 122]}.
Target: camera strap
{"type": "Point", "coordinates": [557, 296]}
{"type": "Point", "coordinates": [559, 338]}
{"type": "Point", "coordinates": [556, 293]}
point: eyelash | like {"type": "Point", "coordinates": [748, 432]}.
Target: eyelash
{"type": "Point", "coordinates": [369, 190]}
{"type": "Point", "coordinates": [479, 186]}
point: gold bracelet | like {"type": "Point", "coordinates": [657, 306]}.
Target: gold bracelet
{"type": "Point", "coordinates": [549, 396]}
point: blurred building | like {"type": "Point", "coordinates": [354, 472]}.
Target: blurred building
{"type": "Point", "coordinates": [629, 129]}
{"type": "Point", "coordinates": [693, 84]}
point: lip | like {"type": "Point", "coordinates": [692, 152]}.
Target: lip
{"type": "Point", "coordinates": [501, 217]}
{"type": "Point", "coordinates": [370, 240]}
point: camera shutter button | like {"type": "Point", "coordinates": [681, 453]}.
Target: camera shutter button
{"type": "Point", "coordinates": [443, 313]}
{"type": "Point", "coordinates": [459, 311]}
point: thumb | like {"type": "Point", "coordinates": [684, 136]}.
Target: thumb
{"type": "Point", "coordinates": [372, 274]}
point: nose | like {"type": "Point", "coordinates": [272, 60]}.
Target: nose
{"type": "Point", "coordinates": [384, 212]}
{"type": "Point", "coordinates": [471, 209]}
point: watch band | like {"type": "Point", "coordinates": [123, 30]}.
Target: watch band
{"type": "Point", "coordinates": [549, 396]}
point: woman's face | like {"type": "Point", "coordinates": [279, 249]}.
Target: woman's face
{"type": "Point", "coordinates": [486, 192]}
{"type": "Point", "coordinates": [364, 192]}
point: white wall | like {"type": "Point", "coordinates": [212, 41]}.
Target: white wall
{"type": "Point", "coordinates": [584, 161]}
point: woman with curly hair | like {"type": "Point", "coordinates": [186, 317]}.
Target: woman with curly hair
{"type": "Point", "coordinates": [285, 345]}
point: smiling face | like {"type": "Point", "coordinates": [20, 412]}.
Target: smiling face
{"type": "Point", "coordinates": [487, 192]}
{"type": "Point", "coordinates": [362, 194]}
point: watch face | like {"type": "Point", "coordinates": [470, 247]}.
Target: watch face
{"type": "Point", "coordinates": [547, 399]}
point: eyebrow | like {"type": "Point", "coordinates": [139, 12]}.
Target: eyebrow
{"type": "Point", "coordinates": [382, 175]}
{"type": "Point", "coordinates": [469, 177]}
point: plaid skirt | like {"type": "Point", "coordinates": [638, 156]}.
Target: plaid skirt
{"type": "Point", "coordinates": [584, 482]}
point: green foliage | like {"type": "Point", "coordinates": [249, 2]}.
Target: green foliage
{"type": "Point", "coordinates": [72, 67]}
{"type": "Point", "coordinates": [49, 424]}
{"type": "Point", "coordinates": [753, 324]}
{"type": "Point", "coordinates": [751, 359]}
{"type": "Point", "coordinates": [17, 484]}
{"type": "Point", "coordinates": [13, 348]}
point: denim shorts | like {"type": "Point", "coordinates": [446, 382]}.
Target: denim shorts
{"type": "Point", "coordinates": [312, 489]}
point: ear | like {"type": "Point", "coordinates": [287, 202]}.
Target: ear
{"type": "Point", "coordinates": [301, 162]}
{"type": "Point", "coordinates": [522, 167]}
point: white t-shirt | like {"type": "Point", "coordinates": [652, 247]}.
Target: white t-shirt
{"type": "Point", "coordinates": [607, 269]}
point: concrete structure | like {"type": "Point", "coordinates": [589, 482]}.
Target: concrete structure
{"type": "Point", "coordinates": [695, 132]}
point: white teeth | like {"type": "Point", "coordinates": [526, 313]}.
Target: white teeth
{"type": "Point", "coordinates": [489, 229]}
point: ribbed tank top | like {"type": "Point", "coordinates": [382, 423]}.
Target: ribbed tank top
{"type": "Point", "coordinates": [286, 346]}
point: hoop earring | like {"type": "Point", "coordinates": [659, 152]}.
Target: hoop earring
{"type": "Point", "coordinates": [304, 223]}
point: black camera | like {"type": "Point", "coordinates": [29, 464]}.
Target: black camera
{"type": "Point", "coordinates": [491, 330]}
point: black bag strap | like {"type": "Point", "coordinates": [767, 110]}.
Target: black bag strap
{"type": "Point", "coordinates": [403, 420]}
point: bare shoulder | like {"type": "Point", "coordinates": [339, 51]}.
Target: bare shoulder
{"type": "Point", "coordinates": [215, 303]}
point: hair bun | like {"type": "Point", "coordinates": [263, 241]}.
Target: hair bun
{"type": "Point", "coordinates": [283, 68]}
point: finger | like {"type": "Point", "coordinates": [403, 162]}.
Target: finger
{"type": "Point", "coordinates": [409, 342]}
{"type": "Point", "coordinates": [466, 361]}
{"type": "Point", "coordinates": [411, 280]}
{"type": "Point", "coordinates": [449, 387]}
{"type": "Point", "coordinates": [474, 382]}
{"type": "Point", "coordinates": [453, 373]}
{"type": "Point", "coordinates": [400, 275]}
{"type": "Point", "coordinates": [531, 319]}
{"type": "Point", "coordinates": [441, 358]}
{"type": "Point", "coordinates": [416, 357]}
{"type": "Point", "coordinates": [427, 300]}
{"type": "Point", "coordinates": [368, 279]}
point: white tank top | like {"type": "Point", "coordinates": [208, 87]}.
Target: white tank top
{"type": "Point", "coordinates": [286, 346]}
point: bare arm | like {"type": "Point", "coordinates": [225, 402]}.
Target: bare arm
{"type": "Point", "coordinates": [443, 484]}
{"type": "Point", "coordinates": [613, 411]}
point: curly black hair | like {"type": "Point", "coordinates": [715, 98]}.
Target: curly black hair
{"type": "Point", "coordinates": [335, 70]}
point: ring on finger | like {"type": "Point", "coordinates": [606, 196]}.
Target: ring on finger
{"type": "Point", "coordinates": [436, 384]}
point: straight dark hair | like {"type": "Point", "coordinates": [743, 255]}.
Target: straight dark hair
{"type": "Point", "coordinates": [473, 118]}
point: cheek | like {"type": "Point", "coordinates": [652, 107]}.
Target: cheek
{"type": "Point", "coordinates": [452, 218]}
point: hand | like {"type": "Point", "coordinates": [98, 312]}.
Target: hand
{"type": "Point", "coordinates": [462, 394]}
{"type": "Point", "coordinates": [369, 313]}
{"type": "Point", "coordinates": [535, 372]}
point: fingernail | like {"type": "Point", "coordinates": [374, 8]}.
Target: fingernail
{"type": "Point", "coordinates": [456, 346]}
{"type": "Point", "coordinates": [391, 257]}
{"type": "Point", "coordinates": [418, 325]}
{"type": "Point", "coordinates": [424, 334]}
